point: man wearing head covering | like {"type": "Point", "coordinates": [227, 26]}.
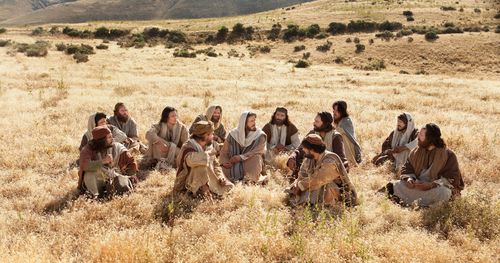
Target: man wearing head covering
{"type": "Point", "coordinates": [322, 178]}
{"type": "Point", "coordinates": [106, 167]}
{"type": "Point", "coordinates": [400, 142]}
{"type": "Point", "coordinates": [198, 170]}
{"type": "Point", "coordinates": [282, 135]}
{"type": "Point", "coordinates": [431, 173]}
{"type": "Point", "coordinates": [345, 127]}
{"type": "Point", "coordinates": [123, 121]}
{"type": "Point", "coordinates": [166, 138]}
{"type": "Point", "coordinates": [322, 127]}
{"type": "Point", "coordinates": [242, 153]}
{"type": "Point", "coordinates": [213, 114]}
{"type": "Point", "coordinates": [99, 119]}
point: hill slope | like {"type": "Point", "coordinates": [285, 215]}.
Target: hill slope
{"type": "Point", "coordinates": [64, 11]}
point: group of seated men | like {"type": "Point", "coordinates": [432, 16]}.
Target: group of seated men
{"type": "Point", "coordinates": [209, 160]}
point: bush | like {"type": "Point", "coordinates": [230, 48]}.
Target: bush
{"type": "Point", "coordinates": [374, 65]}
{"type": "Point", "coordinates": [356, 40]}
{"type": "Point", "coordinates": [151, 32]}
{"type": "Point", "coordinates": [177, 37]}
{"type": "Point", "coordinates": [389, 26]}
{"type": "Point", "coordinates": [339, 60]}
{"type": "Point", "coordinates": [38, 49]}
{"type": "Point", "coordinates": [61, 47]}
{"type": "Point", "coordinates": [325, 47]}
{"type": "Point", "coordinates": [222, 34]}
{"type": "Point", "coordinates": [322, 35]}
{"type": "Point", "coordinates": [348, 40]}
{"type": "Point", "coordinates": [497, 16]}
{"type": "Point", "coordinates": [292, 33]}
{"type": "Point", "coordinates": [497, 30]}
{"type": "Point", "coordinates": [451, 30]}
{"type": "Point", "coordinates": [407, 13]}
{"type": "Point", "coordinates": [82, 49]}
{"type": "Point", "coordinates": [3, 30]}
{"type": "Point", "coordinates": [299, 48]}
{"type": "Point", "coordinates": [477, 10]}
{"type": "Point", "coordinates": [360, 48]}
{"type": "Point", "coordinates": [361, 26]}
{"type": "Point", "coordinates": [448, 8]}
{"type": "Point", "coordinates": [410, 19]}
{"type": "Point", "coordinates": [37, 31]}
{"type": "Point", "coordinates": [241, 32]}
{"type": "Point", "coordinates": [265, 49]}
{"type": "Point", "coordinates": [184, 53]}
{"type": "Point", "coordinates": [306, 55]}
{"type": "Point", "coordinates": [449, 24]}
{"type": "Point", "coordinates": [275, 32]}
{"type": "Point", "coordinates": [101, 46]}
{"type": "Point", "coordinates": [386, 35]}
{"type": "Point", "coordinates": [477, 213]}
{"type": "Point", "coordinates": [302, 64]}
{"type": "Point", "coordinates": [431, 36]}
{"type": "Point", "coordinates": [4, 43]}
{"type": "Point", "coordinates": [81, 58]}
{"type": "Point", "coordinates": [335, 28]}
{"type": "Point", "coordinates": [313, 30]}
{"type": "Point", "coordinates": [54, 30]}
{"type": "Point", "coordinates": [116, 33]}
{"type": "Point", "coordinates": [405, 32]}
{"type": "Point", "coordinates": [102, 32]}
{"type": "Point", "coordinates": [472, 29]}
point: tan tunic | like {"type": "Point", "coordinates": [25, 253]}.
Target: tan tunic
{"type": "Point", "coordinates": [174, 138]}
{"type": "Point", "coordinates": [324, 182]}
{"type": "Point", "coordinates": [198, 168]}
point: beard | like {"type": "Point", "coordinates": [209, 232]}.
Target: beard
{"type": "Point", "coordinates": [215, 119]}
{"type": "Point", "coordinates": [279, 122]}
{"type": "Point", "coordinates": [249, 129]}
{"type": "Point", "coordinates": [423, 144]}
{"type": "Point", "coordinates": [401, 129]}
{"type": "Point", "coordinates": [319, 129]}
{"type": "Point", "coordinates": [309, 155]}
{"type": "Point", "coordinates": [122, 118]}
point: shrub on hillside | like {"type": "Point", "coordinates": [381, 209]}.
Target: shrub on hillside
{"type": "Point", "coordinates": [335, 28]}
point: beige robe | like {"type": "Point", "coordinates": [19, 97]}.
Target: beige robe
{"type": "Point", "coordinates": [175, 138]}
{"type": "Point", "coordinates": [324, 182]}
{"type": "Point", "coordinates": [198, 167]}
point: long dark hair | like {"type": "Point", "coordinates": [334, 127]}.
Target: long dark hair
{"type": "Point", "coordinates": [327, 120]}
{"type": "Point", "coordinates": [165, 113]}
{"type": "Point", "coordinates": [341, 107]}
{"type": "Point", "coordinates": [433, 135]}
{"type": "Point", "coordinates": [287, 119]}
{"type": "Point", "coordinates": [98, 145]}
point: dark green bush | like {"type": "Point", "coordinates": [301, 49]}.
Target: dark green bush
{"type": "Point", "coordinates": [335, 28]}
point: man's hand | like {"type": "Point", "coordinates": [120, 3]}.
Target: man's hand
{"type": "Point", "coordinates": [410, 183]}
{"type": "Point", "coordinates": [222, 181]}
{"type": "Point", "coordinates": [164, 147]}
{"type": "Point", "coordinates": [235, 159]}
{"type": "Point", "coordinates": [291, 164]}
{"type": "Point", "coordinates": [424, 186]}
{"type": "Point", "coordinates": [108, 159]}
{"type": "Point", "coordinates": [227, 165]}
{"type": "Point", "coordinates": [279, 148]}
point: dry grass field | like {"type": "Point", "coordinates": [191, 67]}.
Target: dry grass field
{"type": "Point", "coordinates": [45, 103]}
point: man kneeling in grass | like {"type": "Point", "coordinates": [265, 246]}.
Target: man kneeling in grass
{"type": "Point", "coordinates": [323, 179]}
{"type": "Point", "coordinates": [431, 173]}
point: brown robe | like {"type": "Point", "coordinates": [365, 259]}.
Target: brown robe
{"type": "Point", "coordinates": [444, 165]}
{"type": "Point", "coordinates": [89, 161]}
{"type": "Point", "coordinates": [290, 131]}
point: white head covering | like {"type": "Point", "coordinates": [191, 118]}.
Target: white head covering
{"type": "Point", "coordinates": [401, 139]}
{"type": "Point", "coordinates": [239, 133]}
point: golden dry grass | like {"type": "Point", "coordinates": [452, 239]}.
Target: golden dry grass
{"type": "Point", "coordinates": [45, 103]}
